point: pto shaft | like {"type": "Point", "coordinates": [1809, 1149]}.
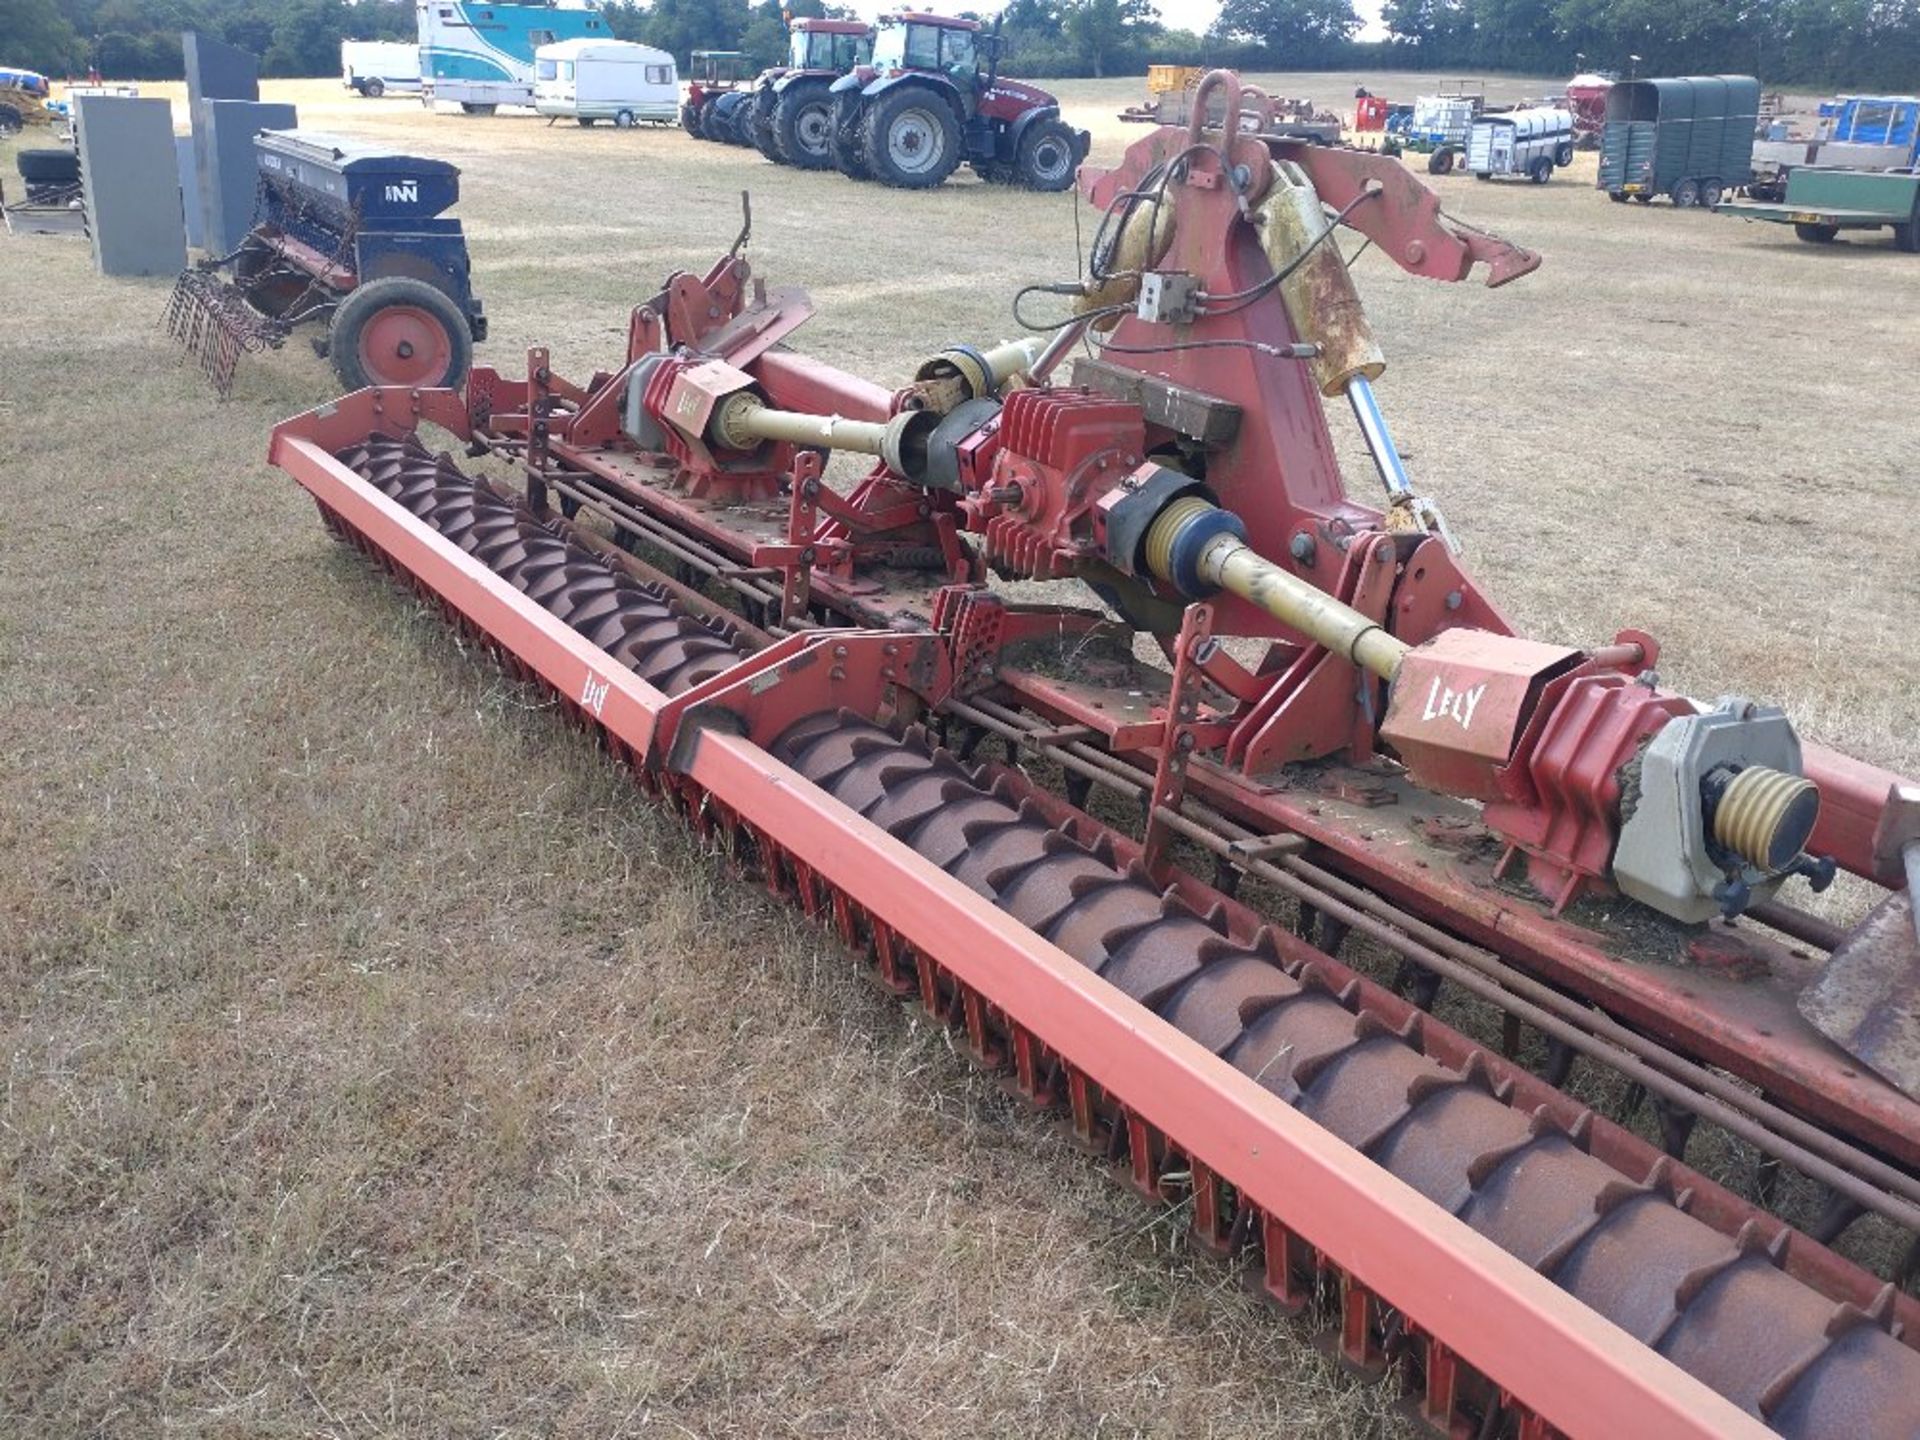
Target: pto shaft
{"type": "Point", "coordinates": [1201, 548]}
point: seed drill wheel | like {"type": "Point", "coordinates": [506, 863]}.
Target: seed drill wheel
{"type": "Point", "coordinates": [1047, 156]}
{"type": "Point", "coordinates": [399, 331]}
{"type": "Point", "coordinates": [803, 126]}
{"type": "Point", "coordinates": [913, 140]}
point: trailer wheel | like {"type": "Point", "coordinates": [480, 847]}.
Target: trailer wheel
{"type": "Point", "coordinates": [913, 140]}
{"type": "Point", "coordinates": [1686, 195]}
{"type": "Point", "coordinates": [1816, 234]}
{"type": "Point", "coordinates": [803, 125]}
{"type": "Point", "coordinates": [1618, 197]}
{"type": "Point", "coordinates": [1907, 237]}
{"type": "Point", "coordinates": [623, 120]}
{"type": "Point", "coordinates": [375, 89]}
{"type": "Point", "coordinates": [1541, 171]}
{"type": "Point", "coordinates": [470, 108]}
{"type": "Point", "coordinates": [1711, 193]}
{"type": "Point", "coordinates": [1440, 162]}
{"type": "Point", "coordinates": [1563, 157]}
{"type": "Point", "coordinates": [399, 331]}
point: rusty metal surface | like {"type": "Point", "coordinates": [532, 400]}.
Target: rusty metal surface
{"type": "Point", "coordinates": [1867, 999]}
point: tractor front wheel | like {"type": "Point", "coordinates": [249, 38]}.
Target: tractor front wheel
{"type": "Point", "coordinates": [913, 140]}
{"type": "Point", "coordinates": [803, 126]}
{"type": "Point", "coordinates": [1047, 156]}
{"type": "Point", "coordinates": [399, 331]}
{"type": "Point", "coordinates": [1440, 162]}
{"type": "Point", "coordinates": [690, 119]}
{"type": "Point", "coordinates": [850, 140]}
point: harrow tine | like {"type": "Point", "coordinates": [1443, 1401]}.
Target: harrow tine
{"type": "Point", "coordinates": [212, 321]}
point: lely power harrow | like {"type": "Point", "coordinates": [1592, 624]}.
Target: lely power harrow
{"type": "Point", "coordinates": [1348, 762]}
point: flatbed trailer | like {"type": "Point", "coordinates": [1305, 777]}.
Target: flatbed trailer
{"type": "Point", "coordinates": [1821, 203]}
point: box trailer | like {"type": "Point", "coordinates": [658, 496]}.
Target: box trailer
{"type": "Point", "coordinates": [1532, 142]}
{"type": "Point", "coordinates": [1689, 138]}
{"type": "Point", "coordinates": [380, 67]}
{"type": "Point", "coordinates": [1821, 202]}
{"type": "Point", "coordinates": [480, 56]}
{"type": "Point", "coordinates": [589, 80]}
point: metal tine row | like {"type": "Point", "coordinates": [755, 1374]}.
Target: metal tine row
{"type": "Point", "coordinates": [1720, 1306]}
{"type": "Point", "coordinates": [1522, 1179]}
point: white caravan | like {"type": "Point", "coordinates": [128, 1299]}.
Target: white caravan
{"type": "Point", "coordinates": [589, 80]}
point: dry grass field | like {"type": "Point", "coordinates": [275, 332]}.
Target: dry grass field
{"type": "Point", "coordinates": [377, 1063]}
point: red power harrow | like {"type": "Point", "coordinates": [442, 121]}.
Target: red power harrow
{"type": "Point", "coordinates": [1345, 721]}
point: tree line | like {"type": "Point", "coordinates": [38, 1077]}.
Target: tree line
{"type": "Point", "coordinates": [1854, 44]}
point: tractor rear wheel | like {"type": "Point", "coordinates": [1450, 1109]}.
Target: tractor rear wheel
{"type": "Point", "coordinates": [1047, 154]}
{"type": "Point", "coordinates": [913, 140]}
{"type": "Point", "coordinates": [399, 331]}
{"type": "Point", "coordinates": [803, 126]}
{"type": "Point", "coordinates": [724, 117]}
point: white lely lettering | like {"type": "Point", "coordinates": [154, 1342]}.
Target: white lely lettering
{"type": "Point", "coordinates": [593, 694]}
{"type": "Point", "coordinates": [1450, 704]}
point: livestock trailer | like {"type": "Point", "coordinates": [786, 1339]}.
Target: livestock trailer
{"type": "Point", "coordinates": [589, 80]}
{"type": "Point", "coordinates": [1688, 138]}
{"type": "Point", "coordinates": [1530, 142]}
{"type": "Point", "coordinates": [1821, 202]}
{"type": "Point", "coordinates": [480, 56]}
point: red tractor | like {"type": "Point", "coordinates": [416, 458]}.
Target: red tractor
{"type": "Point", "coordinates": [925, 104]}
{"type": "Point", "coordinates": [789, 114]}
{"type": "Point", "coordinates": [707, 113]}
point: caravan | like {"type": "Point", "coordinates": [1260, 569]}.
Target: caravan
{"type": "Point", "coordinates": [589, 80]}
{"type": "Point", "coordinates": [480, 56]}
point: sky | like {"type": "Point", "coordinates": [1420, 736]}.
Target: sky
{"type": "Point", "coordinates": [1194, 15]}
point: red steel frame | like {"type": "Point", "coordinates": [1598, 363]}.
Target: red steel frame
{"type": "Point", "coordinates": [1574, 1371]}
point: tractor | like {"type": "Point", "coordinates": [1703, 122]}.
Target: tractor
{"type": "Point", "coordinates": [707, 114]}
{"type": "Point", "coordinates": [790, 115]}
{"type": "Point", "coordinates": [925, 104]}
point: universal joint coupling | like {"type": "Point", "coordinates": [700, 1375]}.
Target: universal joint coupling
{"type": "Point", "coordinates": [743, 421]}
{"type": "Point", "coordinates": [1199, 548]}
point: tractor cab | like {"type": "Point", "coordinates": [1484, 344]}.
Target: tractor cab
{"type": "Point", "coordinates": [829, 45]}
{"type": "Point", "coordinates": [933, 44]}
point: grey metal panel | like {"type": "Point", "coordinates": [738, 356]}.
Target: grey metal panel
{"type": "Point", "coordinates": [190, 191]}
{"type": "Point", "coordinates": [224, 131]}
{"type": "Point", "coordinates": [131, 185]}
{"type": "Point", "coordinates": [218, 71]}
